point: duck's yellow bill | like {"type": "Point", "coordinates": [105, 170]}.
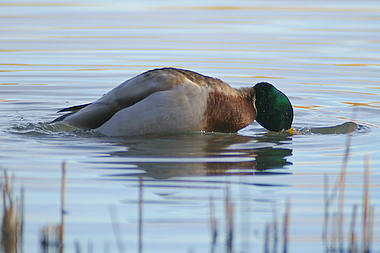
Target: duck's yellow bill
{"type": "Point", "coordinates": [291, 130]}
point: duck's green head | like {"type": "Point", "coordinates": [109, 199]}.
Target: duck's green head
{"type": "Point", "coordinates": [274, 110]}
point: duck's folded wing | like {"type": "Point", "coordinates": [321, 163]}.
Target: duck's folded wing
{"type": "Point", "coordinates": [91, 116]}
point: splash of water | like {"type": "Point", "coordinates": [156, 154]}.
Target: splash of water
{"type": "Point", "coordinates": [49, 129]}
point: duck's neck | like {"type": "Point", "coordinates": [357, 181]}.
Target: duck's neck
{"type": "Point", "coordinates": [229, 113]}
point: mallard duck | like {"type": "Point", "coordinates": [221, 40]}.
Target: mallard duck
{"type": "Point", "coordinates": [171, 100]}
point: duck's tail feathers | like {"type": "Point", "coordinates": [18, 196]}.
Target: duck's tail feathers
{"type": "Point", "coordinates": [71, 110]}
{"type": "Point", "coordinates": [74, 108]}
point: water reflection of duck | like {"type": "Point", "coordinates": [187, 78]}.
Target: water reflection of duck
{"type": "Point", "coordinates": [170, 100]}
{"type": "Point", "coordinates": [208, 154]}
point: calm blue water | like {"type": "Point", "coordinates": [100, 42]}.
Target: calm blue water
{"type": "Point", "coordinates": [323, 55]}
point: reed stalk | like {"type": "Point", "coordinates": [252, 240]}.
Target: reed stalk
{"type": "Point", "coordinates": [266, 238]}
{"type": "Point", "coordinates": [12, 218]}
{"type": "Point", "coordinates": [286, 225]}
{"type": "Point", "coordinates": [326, 211]}
{"type": "Point", "coordinates": [352, 244]}
{"type": "Point", "coordinates": [229, 220]}
{"type": "Point", "coordinates": [140, 228]}
{"type": "Point", "coordinates": [274, 226]}
{"type": "Point", "coordinates": [63, 194]}
{"type": "Point", "coordinates": [213, 225]}
{"type": "Point", "coordinates": [366, 207]}
{"type": "Point", "coordinates": [116, 229]}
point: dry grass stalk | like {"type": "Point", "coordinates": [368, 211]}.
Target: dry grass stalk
{"type": "Point", "coordinates": [371, 227]}
{"type": "Point", "coordinates": [116, 229]}
{"type": "Point", "coordinates": [266, 238]}
{"type": "Point", "coordinates": [366, 207]}
{"type": "Point", "coordinates": [337, 222]}
{"type": "Point", "coordinates": [90, 247]}
{"type": "Point", "coordinates": [274, 226]}
{"type": "Point", "coordinates": [63, 192]}
{"type": "Point", "coordinates": [342, 187]}
{"type": "Point", "coordinates": [77, 246]}
{"type": "Point", "coordinates": [229, 220]}
{"type": "Point", "coordinates": [271, 230]}
{"type": "Point", "coordinates": [52, 236]}
{"type": "Point", "coordinates": [140, 212]}
{"type": "Point", "coordinates": [334, 224]}
{"type": "Point", "coordinates": [339, 187]}
{"type": "Point", "coordinates": [286, 225]}
{"type": "Point", "coordinates": [50, 239]}
{"type": "Point", "coordinates": [326, 207]}
{"type": "Point", "coordinates": [352, 246]}
{"type": "Point", "coordinates": [21, 219]}
{"type": "Point", "coordinates": [12, 222]}
{"type": "Point", "coordinates": [213, 225]}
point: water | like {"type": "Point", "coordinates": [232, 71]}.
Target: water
{"type": "Point", "coordinates": [323, 55]}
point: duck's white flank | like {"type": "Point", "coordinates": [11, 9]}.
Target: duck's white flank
{"type": "Point", "coordinates": [176, 110]}
{"type": "Point", "coordinates": [122, 96]}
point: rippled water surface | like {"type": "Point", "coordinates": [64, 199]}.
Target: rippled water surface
{"type": "Point", "coordinates": [153, 193]}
